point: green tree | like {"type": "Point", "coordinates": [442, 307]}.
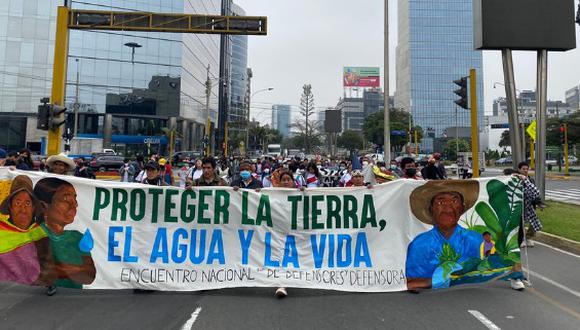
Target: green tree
{"type": "Point", "coordinates": [298, 142]}
{"type": "Point", "coordinates": [306, 126]}
{"type": "Point", "coordinates": [373, 128]}
{"type": "Point", "coordinates": [450, 148]}
{"type": "Point", "coordinates": [350, 140]}
{"type": "Point", "coordinates": [504, 141]}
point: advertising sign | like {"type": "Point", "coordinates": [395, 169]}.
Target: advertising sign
{"type": "Point", "coordinates": [361, 77]}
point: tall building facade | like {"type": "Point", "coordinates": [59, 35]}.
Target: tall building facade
{"type": "Point", "coordinates": [237, 113]}
{"type": "Point", "coordinates": [435, 48]}
{"type": "Point", "coordinates": [281, 119]}
{"type": "Point", "coordinates": [126, 100]}
{"type": "Point", "coordinates": [27, 32]}
{"type": "Point", "coordinates": [573, 97]}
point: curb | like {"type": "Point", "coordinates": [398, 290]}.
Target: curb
{"type": "Point", "coordinates": [557, 241]}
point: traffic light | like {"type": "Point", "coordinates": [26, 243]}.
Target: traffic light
{"type": "Point", "coordinates": [563, 134]}
{"type": "Point", "coordinates": [461, 92]}
{"type": "Point", "coordinates": [42, 117]}
{"type": "Point", "coordinates": [55, 116]}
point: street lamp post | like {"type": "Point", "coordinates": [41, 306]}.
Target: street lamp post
{"type": "Point", "coordinates": [248, 113]}
{"type": "Point", "coordinates": [133, 45]}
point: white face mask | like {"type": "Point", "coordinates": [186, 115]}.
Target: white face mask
{"type": "Point", "coordinates": [266, 170]}
{"type": "Point", "coordinates": [365, 163]}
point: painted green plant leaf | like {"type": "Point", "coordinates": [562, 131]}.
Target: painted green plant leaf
{"type": "Point", "coordinates": [513, 243]}
{"type": "Point", "coordinates": [448, 254]}
{"type": "Point", "coordinates": [502, 215]}
{"type": "Point", "coordinates": [499, 201]}
{"type": "Point", "coordinates": [489, 217]}
{"type": "Point", "coordinates": [515, 218]}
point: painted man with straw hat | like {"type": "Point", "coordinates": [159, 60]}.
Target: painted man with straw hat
{"type": "Point", "coordinates": [441, 204]}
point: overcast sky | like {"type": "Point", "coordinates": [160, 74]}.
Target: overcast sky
{"type": "Point", "coordinates": [309, 41]}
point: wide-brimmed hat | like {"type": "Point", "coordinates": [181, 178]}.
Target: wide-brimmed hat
{"type": "Point", "coordinates": [421, 197]}
{"type": "Point", "coordinates": [61, 158]}
{"type": "Point", "coordinates": [20, 183]}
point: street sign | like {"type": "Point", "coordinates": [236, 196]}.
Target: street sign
{"type": "Point", "coordinates": [532, 130]}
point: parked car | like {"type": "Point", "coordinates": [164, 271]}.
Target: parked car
{"type": "Point", "coordinates": [572, 160]}
{"type": "Point", "coordinates": [552, 162]}
{"type": "Point", "coordinates": [179, 157]}
{"type": "Point", "coordinates": [504, 161]}
{"type": "Point", "coordinates": [106, 162]}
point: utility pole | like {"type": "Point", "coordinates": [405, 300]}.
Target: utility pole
{"type": "Point", "coordinates": [387, 121]}
{"type": "Point", "coordinates": [76, 105]}
{"type": "Point", "coordinates": [206, 139]}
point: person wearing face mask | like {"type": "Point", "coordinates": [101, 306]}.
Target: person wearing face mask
{"type": "Point", "coordinates": [409, 168]}
{"type": "Point", "coordinates": [245, 180]}
{"type": "Point", "coordinates": [266, 176]}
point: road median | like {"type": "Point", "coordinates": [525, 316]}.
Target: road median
{"type": "Point", "coordinates": [561, 223]}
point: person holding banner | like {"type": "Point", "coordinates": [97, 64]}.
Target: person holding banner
{"type": "Point", "coordinates": [24, 247]}
{"type": "Point", "coordinates": [60, 164]}
{"type": "Point", "coordinates": [245, 179]}
{"type": "Point", "coordinates": [441, 204]}
{"type": "Point", "coordinates": [151, 176]}
{"type": "Point", "coordinates": [73, 263]}
{"type": "Point", "coordinates": [209, 178]}
{"type": "Point", "coordinates": [286, 181]}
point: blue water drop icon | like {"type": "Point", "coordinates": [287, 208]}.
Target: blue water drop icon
{"type": "Point", "coordinates": [86, 243]}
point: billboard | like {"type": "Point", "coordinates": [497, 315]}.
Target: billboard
{"type": "Point", "coordinates": [524, 25]}
{"type": "Point", "coordinates": [361, 77]}
{"type": "Point", "coordinates": [333, 121]}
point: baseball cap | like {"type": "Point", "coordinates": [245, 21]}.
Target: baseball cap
{"type": "Point", "coordinates": [162, 162]}
{"type": "Point", "coordinates": [2, 153]}
{"type": "Point", "coordinates": [152, 165]}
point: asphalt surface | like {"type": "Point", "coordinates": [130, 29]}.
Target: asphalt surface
{"type": "Point", "coordinates": [553, 302]}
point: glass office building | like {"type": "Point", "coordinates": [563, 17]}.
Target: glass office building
{"type": "Point", "coordinates": [436, 47]}
{"type": "Point", "coordinates": [27, 31]}
{"type": "Point", "coordinates": [135, 95]}
{"type": "Point", "coordinates": [149, 76]}
{"type": "Point", "coordinates": [238, 81]}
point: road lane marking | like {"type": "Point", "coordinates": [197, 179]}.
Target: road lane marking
{"type": "Point", "coordinates": [556, 284]}
{"type": "Point", "coordinates": [554, 303]}
{"type": "Point", "coordinates": [556, 249]}
{"type": "Point", "coordinates": [481, 318]}
{"type": "Point", "coordinates": [189, 323]}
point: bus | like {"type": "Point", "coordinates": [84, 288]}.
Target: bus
{"type": "Point", "coordinates": [274, 150]}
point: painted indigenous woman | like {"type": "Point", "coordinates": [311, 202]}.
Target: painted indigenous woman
{"type": "Point", "coordinates": [24, 248]}
{"type": "Point", "coordinates": [58, 200]}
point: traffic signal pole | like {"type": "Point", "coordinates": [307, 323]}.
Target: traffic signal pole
{"type": "Point", "coordinates": [566, 160]}
{"type": "Point", "coordinates": [59, 76]}
{"type": "Point", "coordinates": [474, 126]}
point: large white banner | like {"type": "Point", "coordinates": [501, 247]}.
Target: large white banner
{"type": "Point", "coordinates": [112, 235]}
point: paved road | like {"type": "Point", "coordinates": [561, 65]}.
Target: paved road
{"type": "Point", "coordinates": [552, 303]}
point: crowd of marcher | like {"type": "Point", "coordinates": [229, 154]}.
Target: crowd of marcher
{"type": "Point", "coordinates": [278, 172]}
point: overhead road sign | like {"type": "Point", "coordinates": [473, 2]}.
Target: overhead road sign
{"type": "Point", "coordinates": [166, 22]}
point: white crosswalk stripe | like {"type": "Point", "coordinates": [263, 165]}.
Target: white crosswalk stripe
{"type": "Point", "coordinates": [564, 195]}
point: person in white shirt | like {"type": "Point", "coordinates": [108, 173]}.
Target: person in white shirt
{"type": "Point", "coordinates": [195, 172]}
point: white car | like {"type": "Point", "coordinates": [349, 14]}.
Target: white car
{"type": "Point", "coordinates": [572, 160]}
